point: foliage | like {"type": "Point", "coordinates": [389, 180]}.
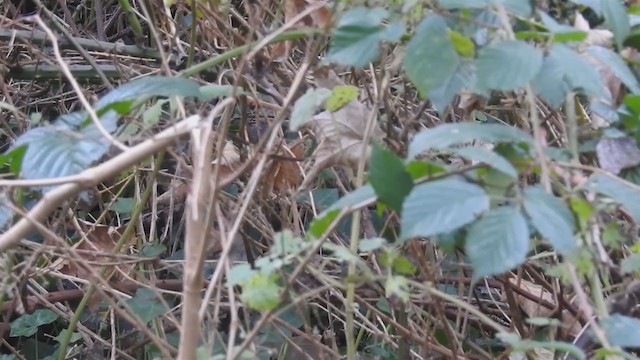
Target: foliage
{"type": "Point", "coordinates": [364, 157]}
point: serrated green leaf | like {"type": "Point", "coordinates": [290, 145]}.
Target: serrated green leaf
{"type": "Point", "coordinates": [564, 70]}
{"type": "Point", "coordinates": [388, 177]}
{"type": "Point", "coordinates": [488, 157]}
{"type": "Point", "coordinates": [261, 292]}
{"type": "Point", "coordinates": [240, 273]}
{"type": "Point", "coordinates": [341, 95]}
{"type": "Point", "coordinates": [441, 206]}
{"type": "Point", "coordinates": [615, 15]}
{"type": "Point", "coordinates": [463, 77]}
{"type": "Point", "coordinates": [622, 330]}
{"type": "Point", "coordinates": [357, 36]}
{"type": "Point", "coordinates": [430, 58]}
{"type": "Point", "coordinates": [497, 242]}
{"type": "Point", "coordinates": [443, 136]}
{"type": "Point", "coordinates": [341, 252]}
{"type": "Point", "coordinates": [618, 191]}
{"type": "Point", "coordinates": [616, 64]}
{"type": "Point", "coordinates": [146, 305]}
{"type": "Point", "coordinates": [27, 324]}
{"type": "Point", "coordinates": [151, 116]}
{"type": "Point", "coordinates": [507, 65]}
{"type": "Point", "coordinates": [306, 106]}
{"type": "Point", "coordinates": [552, 218]}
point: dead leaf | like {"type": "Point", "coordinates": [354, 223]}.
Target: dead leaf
{"type": "Point", "coordinates": [532, 308]}
{"type": "Point", "coordinates": [284, 175]}
{"type": "Point", "coordinates": [319, 18]}
{"type": "Point", "coordinates": [340, 137]}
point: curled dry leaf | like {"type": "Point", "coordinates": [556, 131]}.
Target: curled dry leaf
{"type": "Point", "coordinates": [284, 173]}
{"type": "Point", "coordinates": [340, 136]}
{"type": "Point", "coordinates": [571, 325]}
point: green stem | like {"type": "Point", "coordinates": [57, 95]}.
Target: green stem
{"type": "Point", "coordinates": [131, 226]}
{"type": "Point", "coordinates": [217, 60]}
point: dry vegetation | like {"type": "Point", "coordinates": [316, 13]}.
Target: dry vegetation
{"type": "Point", "coordinates": [145, 253]}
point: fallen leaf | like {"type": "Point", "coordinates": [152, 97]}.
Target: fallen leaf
{"type": "Point", "coordinates": [340, 137]}
{"type": "Point", "coordinates": [284, 175]}
{"type": "Point", "coordinates": [571, 325]}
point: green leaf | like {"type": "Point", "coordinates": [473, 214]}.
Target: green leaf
{"type": "Point", "coordinates": [618, 191]}
{"type": "Point", "coordinates": [488, 157]}
{"type": "Point", "coordinates": [75, 336]}
{"type": "Point", "coordinates": [146, 305]}
{"type": "Point", "coordinates": [214, 91]}
{"type": "Point", "coordinates": [441, 97]}
{"type": "Point", "coordinates": [6, 214]}
{"type": "Point", "coordinates": [123, 206]}
{"type": "Point", "coordinates": [261, 292]}
{"type": "Point", "coordinates": [69, 147]}
{"type": "Point", "coordinates": [616, 64]}
{"type": "Point", "coordinates": [498, 242]}
{"type": "Point", "coordinates": [622, 330]}
{"type": "Point", "coordinates": [53, 153]}
{"type": "Point", "coordinates": [563, 71]}
{"type": "Point", "coordinates": [446, 135]}
{"type": "Point", "coordinates": [441, 206]}
{"type": "Point", "coordinates": [27, 325]}
{"type": "Point", "coordinates": [153, 250]}
{"type": "Point", "coordinates": [462, 44]}
{"type": "Point", "coordinates": [430, 58]}
{"type": "Point", "coordinates": [388, 177]}
{"type": "Point", "coordinates": [240, 273]}
{"type": "Point", "coordinates": [366, 245]}
{"type": "Point", "coordinates": [320, 224]}
{"type": "Point", "coordinates": [595, 5]}
{"type": "Point", "coordinates": [518, 7]}
{"type": "Point", "coordinates": [356, 37]}
{"type": "Point", "coordinates": [341, 95]}
{"type": "Point", "coordinates": [616, 17]}
{"type": "Point", "coordinates": [13, 159]}
{"type": "Point", "coordinates": [397, 286]}
{"type": "Point", "coordinates": [631, 264]}
{"type": "Point", "coordinates": [306, 106]}
{"type": "Point", "coordinates": [359, 197]}
{"type": "Point", "coordinates": [507, 65]}
{"type": "Point", "coordinates": [552, 218]}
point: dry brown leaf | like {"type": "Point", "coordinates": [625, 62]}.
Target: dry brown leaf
{"type": "Point", "coordinates": [284, 175]}
{"type": "Point", "coordinates": [340, 137]}
{"type": "Point", "coordinates": [320, 18]}
{"type": "Point", "coordinates": [571, 325]}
